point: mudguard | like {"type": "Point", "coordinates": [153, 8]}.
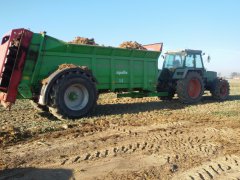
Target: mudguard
{"type": "Point", "coordinates": [50, 80]}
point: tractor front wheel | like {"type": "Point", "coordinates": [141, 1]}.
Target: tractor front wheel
{"type": "Point", "coordinates": [220, 89]}
{"type": "Point", "coordinates": [190, 90]}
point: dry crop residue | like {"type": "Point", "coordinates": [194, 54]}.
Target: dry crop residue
{"type": "Point", "coordinates": [125, 139]}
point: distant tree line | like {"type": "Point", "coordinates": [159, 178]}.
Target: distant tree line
{"type": "Point", "coordinates": [235, 75]}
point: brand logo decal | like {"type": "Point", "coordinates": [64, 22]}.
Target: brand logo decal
{"type": "Point", "coordinates": [122, 72]}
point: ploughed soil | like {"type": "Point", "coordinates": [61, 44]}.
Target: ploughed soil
{"type": "Point", "coordinates": [124, 139]}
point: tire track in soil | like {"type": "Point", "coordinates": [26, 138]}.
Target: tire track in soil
{"type": "Point", "coordinates": [227, 167]}
{"type": "Point", "coordinates": [126, 141]}
{"type": "Point", "coordinates": [154, 141]}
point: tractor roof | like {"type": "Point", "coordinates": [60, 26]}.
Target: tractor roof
{"type": "Point", "coordinates": [186, 51]}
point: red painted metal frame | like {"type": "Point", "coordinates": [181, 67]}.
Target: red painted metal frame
{"type": "Point", "coordinates": [154, 47]}
{"type": "Point", "coordinates": [4, 50]}
{"type": "Point", "coordinates": [12, 89]}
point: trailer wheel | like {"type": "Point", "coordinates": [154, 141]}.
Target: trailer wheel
{"type": "Point", "coordinates": [190, 90]}
{"type": "Point", "coordinates": [38, 107]}
{"type": "Point", "coordinates": [220, 89]}
{"type": "Point", "coordinates": [73, 96]}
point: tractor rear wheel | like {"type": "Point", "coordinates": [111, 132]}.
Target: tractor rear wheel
{"type": "Point", "coordinates": [220, 90]}
{"type": "Point", "coordinates": [190, 90]}
{"type": "Point", "coordinates": [73, 96]}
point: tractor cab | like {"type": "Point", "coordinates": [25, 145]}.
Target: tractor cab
{"type": "Point", "coordinates": [190, 59]}
{"type": "Point", "coordinates": [177, 64]}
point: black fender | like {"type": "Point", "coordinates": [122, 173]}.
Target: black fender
{"type": "Point", "coordinates": [50, 80]}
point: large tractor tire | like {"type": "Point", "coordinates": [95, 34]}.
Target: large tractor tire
{"type": "Point", "coordinates": [220, 89]}
{"type": "Point", "coordinates": [190, 90]}
{"type": "Point", "coordinates": [73, 96]}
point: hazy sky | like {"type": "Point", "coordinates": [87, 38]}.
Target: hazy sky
{"type": "Point", "coordinates": [213, 26]}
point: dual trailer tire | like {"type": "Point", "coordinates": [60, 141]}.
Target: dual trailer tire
{"type": "Point", "coordinates": [73, 96]}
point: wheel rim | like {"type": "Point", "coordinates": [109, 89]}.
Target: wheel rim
{"type": "Point", "coordinates": [76, 97]}
{"type": "Point", "coordinates": [223, 90]}
{"type": "Point", "coordinates": [194, 88]}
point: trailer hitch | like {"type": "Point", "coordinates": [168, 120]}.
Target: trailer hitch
{"type": "Point", "coordinates": [6, 105]}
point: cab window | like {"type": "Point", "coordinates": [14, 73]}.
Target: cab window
{"type": "Point", "coordinates": [173, 61]}
{"type": "Point", "coordinates": [198, 61]}
{"type": "Point", "coordinates": [193, 61]}
{"type": "Point", "coordinates": [177, 61]}
{"type": "Point", "coordinates": [189, 62]}
{"type": "Point", "coordinates": [168, 63]}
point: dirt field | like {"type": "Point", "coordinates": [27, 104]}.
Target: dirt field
{"type": "Point", "coordinates": [125, 139]}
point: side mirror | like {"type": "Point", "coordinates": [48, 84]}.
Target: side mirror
{"type": "Point", "coordinates": [203, 54]}
{"type": "Point", "coordinates": [208, 59]}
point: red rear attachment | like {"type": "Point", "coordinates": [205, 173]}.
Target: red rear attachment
{"type": "Point", "coordinates": [154, 47]}
{"type": "Point", "coordinates": [13, 52]}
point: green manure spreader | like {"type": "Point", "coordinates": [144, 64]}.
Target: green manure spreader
{"type": "Point", "coordinates": [67, 78]}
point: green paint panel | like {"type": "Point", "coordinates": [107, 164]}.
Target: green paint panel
{"type": "Point", "coordinates": [114, 68]}
{"type": "Point", "coordinates": [210, 75]}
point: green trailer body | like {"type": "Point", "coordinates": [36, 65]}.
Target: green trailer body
{"type": "Point", "coordinates": [28, 60]}
{"type": "Point", "coordinates": [115, 69]}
